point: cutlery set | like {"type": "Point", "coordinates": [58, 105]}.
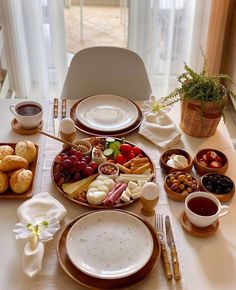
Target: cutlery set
{"type": "Point", "coordinates": [167, 235]}
{"type": "Point", "coordinates": [56, 120]}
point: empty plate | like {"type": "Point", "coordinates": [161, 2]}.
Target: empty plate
{"type": "Point", "coordinates": [107, 113]}
{"type": "Point", "coordinates": [109, 244]}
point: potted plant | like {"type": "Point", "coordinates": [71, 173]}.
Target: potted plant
{"type": "Point", "coordinates": [203, 99]}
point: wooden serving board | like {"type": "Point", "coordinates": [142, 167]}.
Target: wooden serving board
{"type": "Point", "coordinates": [98, 283]}
{"type": "Point", "coordinates": [9, 194]}
{"type": "Point", "coordinates": [119, 205]}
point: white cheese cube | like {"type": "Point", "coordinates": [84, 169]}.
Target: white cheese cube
{"type": "Point", "coordinates": [132, 185]}
{"type": "Point", "coordinates": [125, 197]}
{"type": "Point", "coordinates": [136, 190]}
{"type": "Point", "coordinates": [136, 195]}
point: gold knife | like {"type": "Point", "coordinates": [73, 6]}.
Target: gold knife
{"type": "Point", "coordinates": [63, 108]}
{"type": "Point", "coordinates": [55, 117]}
{"type": "Point", "coordinates": [171, 244]}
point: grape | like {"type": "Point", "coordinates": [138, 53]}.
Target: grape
{"type": "Point", "coordinates": [67, 163]}
{"type": "Point", "coordinates": [64, 157]}
{"type": "Point", "coordinates": [93, 165]}
{"type": "Point", "coordinates": [77, 176]}
{"type": "Point", "coordinates": [88, 159]}
{"type": "Point", "coordinates": [57, 176]}
{"type": "Point", "coordinates": [72, 152]}
{"type": "Point", "coordinates": [74, 159]}
{"type": "Point", "coordinates": [64, 154]}
{"type": "Point", "coordinates": [81, 165]}
{"type": "Point", "coordinates": [71, 169]}
{"type": "Point", "coordinates": [88, 171]}
{"type": "Point", "coordinates": [79, 155]}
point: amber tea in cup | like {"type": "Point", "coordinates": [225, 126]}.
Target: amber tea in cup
{"type": "Point", "coordinates": [203, 208]}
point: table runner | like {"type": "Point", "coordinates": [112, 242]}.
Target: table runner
{"type": "Point", "coordinates": [52, 277]}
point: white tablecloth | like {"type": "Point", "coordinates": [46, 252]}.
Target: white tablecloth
{"type": "Point", "coordinates": [205, 263]}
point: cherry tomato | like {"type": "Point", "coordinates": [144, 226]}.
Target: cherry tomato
{"type": "Point", "coordinates": [130, 155]}
{"type": "Point", "coordinates": [211, 155]}
{"type": "Point", "coordinates": [125, 148]}
{"type": "Point", "coordinates": [136, 150]}
{"type": "Point", "coordinates": [120, 159]}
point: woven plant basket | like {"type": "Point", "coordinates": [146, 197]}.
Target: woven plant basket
{"type": "Point", "coordinates": [200, 119]}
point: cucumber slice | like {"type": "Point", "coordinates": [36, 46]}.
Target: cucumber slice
{"type": "Point", "coordinates": [108, 152]}
{"type": "Point", "coordinates": [110, 139]}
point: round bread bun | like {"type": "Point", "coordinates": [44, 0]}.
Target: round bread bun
{"type": "Point", "coordinates": [20, 180]}
{"type": "Point", "coordinates": [4, 183]}
{"type": "Point", "coordinates": [26, 149]}
{"type": "Point", "coordinates": [13, 162]}
{"type": "Point", "coordinates": [5, 150]}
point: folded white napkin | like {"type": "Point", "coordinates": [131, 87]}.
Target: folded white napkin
{"type": "Point", "coordinates": [157, 126]}
{"type": "Point", "coordinates": [39, 220]}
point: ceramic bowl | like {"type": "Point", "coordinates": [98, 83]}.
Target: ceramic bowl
{"type": "Point", "coordinates": [180, 196]}
{"type": "Point", "coordinates": [108, 169]}
{"type": "Point", "coordinates": [84, 146]}
{"type": "Point", "coordinates": [165, 156]}
{"type": "Point", "coordinates": [211, 187]}
{"type": "Point", "coordinates": [202, 169]}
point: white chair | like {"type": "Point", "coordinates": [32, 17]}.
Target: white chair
{"type": "Point", "coordinates": [106, 70]}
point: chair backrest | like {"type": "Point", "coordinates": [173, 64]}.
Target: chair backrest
{"type": "Point", "coordinates": [106, 70]}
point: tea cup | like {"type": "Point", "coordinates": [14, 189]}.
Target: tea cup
{"type": "Point", "coordinates": [28, 114]}
{"type": "Point", "coordinates": [203, 208]}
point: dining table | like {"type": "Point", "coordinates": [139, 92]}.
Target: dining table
{"type": "Point", "coordinates": [205, 263]}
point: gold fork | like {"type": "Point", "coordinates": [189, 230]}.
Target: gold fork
{"type": "Point", "coordinates": [160, 231]}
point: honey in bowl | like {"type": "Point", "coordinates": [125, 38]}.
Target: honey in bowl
{"type": "Point", "coordinates": [202, 206]}
{"type": "Point", "coordinates": [28, 110]}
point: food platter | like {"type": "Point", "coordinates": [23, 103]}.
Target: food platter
{"type": "Point", "coordinates": [9, 194]}
{"type": "Point", "coordinates": [81, 127]}
{"type": "Point", "coordinates": [100, 283]}
{"type": "Point", "coordinates": [107, 113]}
{"type": "Point", "coordinates": [81, 191]}
{"type": "Point", "coordinates": [102, 244]}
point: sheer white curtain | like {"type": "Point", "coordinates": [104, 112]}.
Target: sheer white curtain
{"type": "Point", "coordinates": [167, 33]}
{"type": "Point", "coordinates": [35, 46]}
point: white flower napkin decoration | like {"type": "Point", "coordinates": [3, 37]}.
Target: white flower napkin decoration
{"type": "Point", "coordinates": [39, 220]}
{"type": "Point", "coordinates": [157, 126]}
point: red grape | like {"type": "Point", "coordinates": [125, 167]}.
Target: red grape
{"type": "Point", "coordinates": [57, 176]}
{"type": "Point", "coordinates": [77, 176]}
{"type": "Point", "coordinates": [74, 159]}
{"type": "Point", "coordinates": [93, 165]}
{"type": "Point", "coordinates": [72, 152]}
{"type": "Point", "coordinates": [79, 155]}
{"type": "Point", "coordinates": [71, 169]}
{"type": "Point", "coordinates": [67, 163]}
{"type": "Point", "coordinates": [88, 159]}
{"type": "Point", "coordinates": [81, 165]}
{"type": "Point", "coordinates": [88, 171]}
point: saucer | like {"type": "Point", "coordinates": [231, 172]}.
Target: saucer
{"type": "Point", "coordinates": [196, 231]}
{"type": "Point", "coordinates": [23, 131]}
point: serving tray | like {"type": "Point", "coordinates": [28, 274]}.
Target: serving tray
{"type": "Point", "coordinates": [9, 194]}
{"type": "Point", "coordinates": [98, 283]}
{"type": "Point", "coordinates": [119, 205]}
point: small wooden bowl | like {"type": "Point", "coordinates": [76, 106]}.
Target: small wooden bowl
{"type": "Point", "coordinates": [201, 169]}
{"type": "Point", "coordinates": [222, 197]}
{"type": "Point", "coordinates": [175, 195]}
{"type": "Point", "coordinates": [165, 156]}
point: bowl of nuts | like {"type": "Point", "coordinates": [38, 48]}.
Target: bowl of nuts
{"type": "Point", "coordinates": [173, 160]}
{"type": "Point", "coordinates": [210, 161]}
{"type": "Point", "coordinates": [219, 185]}
{"type": "Point", "coordinates": [178, 185]}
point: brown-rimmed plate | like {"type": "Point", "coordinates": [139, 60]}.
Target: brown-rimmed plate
{"type": "Point", "coordinates": [119, 205]}
{"type": "Point", "coordinates": [89, 131]}
{"type": "Point", "coordinates": [9, 194]}
{"type": "Point", "coordinates": [98, 283]}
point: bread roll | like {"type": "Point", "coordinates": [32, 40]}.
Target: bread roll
{"type": "Point", "coordinates": [20, 180]}
{"type": "Point", "coordinates": [5, 150]}
{"type": "Point", "coordinates": [4, 183]}
{"type": "Point", "coordinates": [13, 162]}
{"type": "Point", "coordinates": [26, 149]}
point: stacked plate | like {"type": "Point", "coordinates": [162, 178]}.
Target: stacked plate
{"type": "Point", "coordinates": [108, 249]}
{"type": "Point", "coordinates": [104, 115]}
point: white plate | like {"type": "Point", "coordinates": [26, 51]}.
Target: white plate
{"type": "Point", "coordinates": [106, 113]}
{"type": "Point", "coordinates": [109, 244]}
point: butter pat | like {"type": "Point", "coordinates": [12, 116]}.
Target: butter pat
{"type": "Point", "coordinates": [177, 161]}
